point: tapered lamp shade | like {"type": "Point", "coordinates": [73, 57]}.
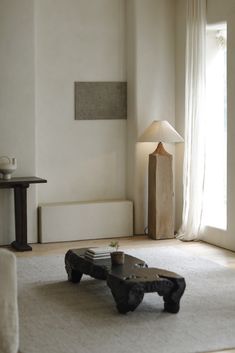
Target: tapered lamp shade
{"type": "Point", "coordinates": [160, 131]}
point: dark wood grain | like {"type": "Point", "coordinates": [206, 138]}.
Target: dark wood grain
{"type": "Point", "coordinates": [21, 181]}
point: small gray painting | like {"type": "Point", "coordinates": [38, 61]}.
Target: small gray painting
{"type": "Point", "coordinates": [100, 100]}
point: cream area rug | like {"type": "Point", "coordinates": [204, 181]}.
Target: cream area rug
{"type": "Point", "coordinates": [57, 316]}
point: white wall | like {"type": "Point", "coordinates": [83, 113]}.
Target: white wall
{"type": "Point", "coordinates": [78, 40]}
{"type": "Point", "coordinates": [45, 46]}
{"type": "Point", "coordinates": [151, 88]}
{"type": "Point", "coordinates": [217, 11]}
{"type": "Point", "coordinates": [17, 117]}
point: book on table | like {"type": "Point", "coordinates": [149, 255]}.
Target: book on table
{"type": "Point", "coordinates": [105, 250]}
{"type": "Point", "coordinates": [90, 257]}
{"type": "Point", "coordinates": [98, 253]}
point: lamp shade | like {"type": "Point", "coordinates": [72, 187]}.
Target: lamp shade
{"type": "Point", "coordinates": [160, 131]}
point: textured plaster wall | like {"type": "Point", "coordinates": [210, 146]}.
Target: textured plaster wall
{"type": "Point", "coordinates": [17, 116]}
{"type": "Point", "coordinates": [45, 46]}
{"type": "Point", "coordinates": [78, 40]}
{"type": "Point", "coordinates": [151, 89]}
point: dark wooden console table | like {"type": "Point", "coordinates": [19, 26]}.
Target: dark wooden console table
{"type": "Point", "coordinates": [20, 186]}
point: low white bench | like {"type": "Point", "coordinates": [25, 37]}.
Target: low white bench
{"type": "Point", "coordinates": [68, 221]}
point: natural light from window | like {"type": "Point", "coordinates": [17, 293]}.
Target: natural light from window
{"type": "Point", "coordinates": [216, 132]}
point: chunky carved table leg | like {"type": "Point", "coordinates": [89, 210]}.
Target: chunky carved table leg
{"type": "Point", "coordinates": [120, 295]}
{"type": "Point", "coordinates": [126, 296]}
{"type": "Point", "coordinates": [172, 299]}
{"type": "Point", "coordinates": [73, 276]}
{"type": "Point", "coordinates": [135, 296]}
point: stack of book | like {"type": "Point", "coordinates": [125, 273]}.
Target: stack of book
{"type": "Point", "coordinates": [98, 253]}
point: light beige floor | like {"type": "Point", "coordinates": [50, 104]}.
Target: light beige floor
{"type": "Point", "coordinates": [223, 257]}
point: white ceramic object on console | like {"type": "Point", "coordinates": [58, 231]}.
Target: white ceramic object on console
{"type": "Point", "coordinates": [7, 167]}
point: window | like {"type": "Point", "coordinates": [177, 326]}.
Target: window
{"type": "Point", "coordinates": [216, 127]}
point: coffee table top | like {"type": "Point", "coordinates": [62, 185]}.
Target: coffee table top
{"type": "Point", "coordinates": [133, 269]}
{"type": "Point", "coordinates": [79, 259]}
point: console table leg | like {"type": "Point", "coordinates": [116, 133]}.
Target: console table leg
{"type": "Point", "coordinates": [20, 200]}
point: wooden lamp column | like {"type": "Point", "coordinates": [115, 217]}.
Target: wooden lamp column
{"type": "Point", "coordinates": [160, 180]}
{"type": "Point", "coordinates": [160, 195]}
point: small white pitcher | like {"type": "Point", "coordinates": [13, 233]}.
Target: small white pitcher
{"type": "Point", "coordinates": [7, 167]}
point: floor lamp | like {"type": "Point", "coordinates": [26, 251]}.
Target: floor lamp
{"type": "Point", "coordinates": [160, 180]}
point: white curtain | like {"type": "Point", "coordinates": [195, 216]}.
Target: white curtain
{"type": "Point", "coordinates": [194, 153]}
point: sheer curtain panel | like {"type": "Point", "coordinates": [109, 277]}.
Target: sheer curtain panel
{"type": "Point", "coordinates": [194, 154]}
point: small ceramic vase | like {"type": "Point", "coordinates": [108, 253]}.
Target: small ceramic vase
{"type": "Point", "coordinates": [117, 257]}
{"type": "Point", "coordinates": [7, 167]}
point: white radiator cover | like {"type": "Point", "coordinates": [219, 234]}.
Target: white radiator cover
{"type": "Point", "coordinates": [68, 221]}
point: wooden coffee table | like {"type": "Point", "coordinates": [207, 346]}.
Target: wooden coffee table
{"type": "Point", "coordinates": [128, 282]}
